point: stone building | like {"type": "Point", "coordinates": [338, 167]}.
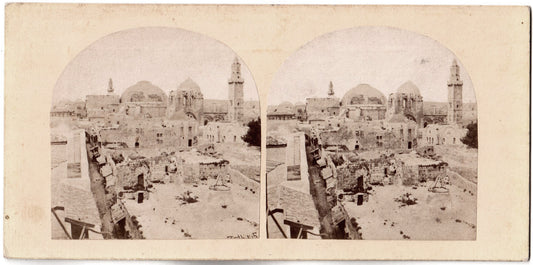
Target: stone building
{"type": "Point", "coordinates": [186, 102]}
{"type": "Point", "coordinates": [437, 134]}
{"type": "Point", "coordinates": [318, 109]}
{"type": "Point", "coordinates": [435, 113]}
{"type": "Point", "coordinates": [153, 132]}
{"type": "Point", "coordinates": [224, 132]}
{"type": "Point", "coordinates": [397, 133]}
{"type": "Point", "coordinates": [144, 100]}
{"type": "Point", "coordinates": [408, 102]}
{"type": "Point", "coordinates": [215, 110]}
{"type": "Point", "coordinates": [98, 106]}
{"type": "Point", "coordinates": [283, 111]}
{"type": "Point", "coordinates": [61, 112]}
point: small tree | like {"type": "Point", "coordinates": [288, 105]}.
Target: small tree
{"type": "Point", "coordinates": [253, 136]}
{"type": "Point", "coordinates": [470, 138]}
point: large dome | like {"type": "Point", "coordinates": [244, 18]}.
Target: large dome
{"type": "Point", "coordinates": [189, 85]}
{"type": "Point", "coordinates": [409, 88]}
{"type": "Point", "coordinates": [363, 94]}
{"type": "Point", "coordinates": [144, 91]}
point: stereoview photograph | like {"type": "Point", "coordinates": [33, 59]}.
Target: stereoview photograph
{"type": "Point", "coordinates": [372, 134]}
{"type": "Point", "coordinates": [155, 134]}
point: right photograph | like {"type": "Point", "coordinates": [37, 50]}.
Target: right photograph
{"type": "Point", "coordinates": [372, 135]}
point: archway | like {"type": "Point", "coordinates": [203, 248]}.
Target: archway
{"type": "Point", "coordinates": [140, 181]}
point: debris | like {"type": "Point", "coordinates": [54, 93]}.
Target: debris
{"type": "Point", "coordinates": [224, 206]}
{"type": "Point", "coordinates": [443, 208]}
{"type": "Point", "coordinates": [187, 197]}
{"type": "Point", "coordinates": [406, 200]}
{"type": "Point", "coordinates": [239, 219]}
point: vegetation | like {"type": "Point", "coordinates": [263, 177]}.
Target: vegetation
{"type": "Point", "coordinates": [253, 136]}
{"type": "Point", "coordinates": [471, 136]}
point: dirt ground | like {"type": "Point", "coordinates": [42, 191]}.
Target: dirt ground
{"type": "Point", "coordinates": [461, 159]}
{"type": "Point", "coordinates": [436, 216]}
{"type": "Point", "coordinates": [163, 216]}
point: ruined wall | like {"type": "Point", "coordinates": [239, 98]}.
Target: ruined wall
{"type": "Point", "coordinates": [212, 170]}
{"type": "Point", "coordinates": [127, 175]}
{"type": "Point", "coordinates": [348, 176]}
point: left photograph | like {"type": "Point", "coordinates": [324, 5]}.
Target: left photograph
{"type": "Point", "coordinates": [155, 134]}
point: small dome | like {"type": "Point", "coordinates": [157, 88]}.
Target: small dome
{"type": "Point", "coordinates": [363, 94]}
{"type": "Point", "coordinates": [285, 105]}
{"type": "Point", "coordinates": [409, 88]}
{"type": "Point", "coordinates": [189, 84]}
{"type": "Point", "coordinates": [144, 91]}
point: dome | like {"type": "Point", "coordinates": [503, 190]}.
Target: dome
{"type": "Point", "coordinates": [363, 94]}
{"type": "Point", "coordinates": [285, 105]}
{"type": "Point", "coordinates": [144, 91]}
{"type": "Point", "coordinates": [189, 84]}
{"type": "Point", "coordinates": [409, 88]}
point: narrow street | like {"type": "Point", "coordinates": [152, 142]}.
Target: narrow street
{"type": "Point", "coordinates": [317, 188]}
{"type": "Point", "coordinates": [98, 190]}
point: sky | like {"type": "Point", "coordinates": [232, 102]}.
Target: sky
{"type": "Point", "coordinates": [164, 56]}
{"type": "Point", "coordinates": [382, 57]}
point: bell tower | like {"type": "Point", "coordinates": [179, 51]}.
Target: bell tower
{"type": "Point", "coordinates": [455, 95]}
{"type": "Point", "coordinates": [235, 92]}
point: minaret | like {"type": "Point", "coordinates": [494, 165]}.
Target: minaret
{"type": "Point", "coordinates": [235, 92]}
{"type": "Point", "coordinates": [331, 93]}
{"type": "Point", "coordinates": [110, 87]}
{"type": "Point", "coordinates": [455, 95]}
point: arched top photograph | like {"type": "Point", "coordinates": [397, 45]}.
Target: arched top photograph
{"type": "Point", "coordinates": [155, 134]}
{"type": "Point", "coordinates": [386, 129]}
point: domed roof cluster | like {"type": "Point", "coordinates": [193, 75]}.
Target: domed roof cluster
{"type": "Point", "coordinates": [144, 91]}
{"type": "Point", "coordinates": [363, 94]}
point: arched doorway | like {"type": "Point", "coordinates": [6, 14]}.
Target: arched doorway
{"type": "Point", "coordinates": [140, 181]}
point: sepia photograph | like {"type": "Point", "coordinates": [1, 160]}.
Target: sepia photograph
{"type": "Point", "coordinates": [372, 134]}
{"type": "Point", "coordinates": [155, 134]}
{"type": "Point", "coordinates": [217, 131]}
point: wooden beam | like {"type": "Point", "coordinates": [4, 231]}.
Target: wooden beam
{"type": "Point", "coordinates": [278, 225]}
